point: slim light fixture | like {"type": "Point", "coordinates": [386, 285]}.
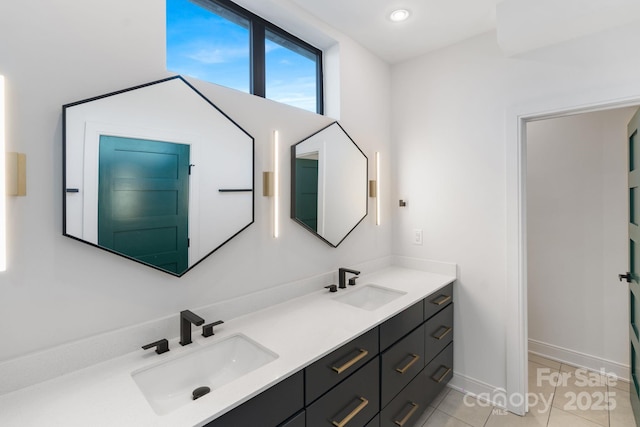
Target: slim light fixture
{"type": "Point", "coordinates": [377, 187]}
{"type": "Point", "coordinates": [3, 197]}
{"type": "Point", "coordinates": [271, 185]}
{"type": "Point", "coordinates": [374, 187]}
{"type": "Point", "coordinates": [276, 184]}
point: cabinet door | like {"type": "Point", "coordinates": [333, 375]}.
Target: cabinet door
{"type": "Point", "coordinates": [438, 332]}
{"type": "Point", "coordinates": [437, 373]}
{"type": "Point", "coordinates": [339, 364]}
{"type": "Point", "coordinates": [353, 403]}
{"type": "Point", "coordinates": [400, 325]}
{"type": "Point", "coordinates": [438, 300]}
{"type": "Point", "coordinates": [400, 364]}
{"type": "Point", "coordinates": [269, 408]}
{"type": "Point", "coordinates": [405, 409]}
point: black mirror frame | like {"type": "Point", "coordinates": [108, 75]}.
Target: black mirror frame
{"type": "Point", "coordinates": [64, 168]}
{"type": "Point", "coordinates": [293, 183]}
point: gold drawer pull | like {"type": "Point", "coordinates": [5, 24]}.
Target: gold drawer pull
{"type": "Point", "coordinates": [414, 359]}
{"type": "Point", "coordinates": [363, 353]}
{"type": "Point", "coordinates": [406, 418]}
{"type": "Point", "coordinates": [441, 299]}
{"type": "Point", "coordinates": [444, 334]}
{"type": "Point", "coordinates": [363, 402]}
{"type": "Point", "coordinates": [446, 372]}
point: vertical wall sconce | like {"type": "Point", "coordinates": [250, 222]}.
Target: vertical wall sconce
{"type": "Point", "coordinates": [374, 187]}
{"type": "Point", "coordinates": [271, 185]}
{"type": "Point", "coordinates": [3, 210]}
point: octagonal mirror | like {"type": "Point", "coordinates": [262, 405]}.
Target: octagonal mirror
{"type": "Point", "coordinates": [328, 184]}
{"type": "Point", "coordinates": [156, 173]}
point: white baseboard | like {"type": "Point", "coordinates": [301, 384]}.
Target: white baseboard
{"type": "Point", "coordinates": [484, 392]}
{"type": "Point", "coordinates": [578, 359]}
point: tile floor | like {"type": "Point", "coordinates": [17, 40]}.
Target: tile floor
{"type": "Point", "coordinates": [564, 397]}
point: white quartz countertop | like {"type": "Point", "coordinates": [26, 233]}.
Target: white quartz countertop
{"type": "Point", "coordinates": [300, 331]}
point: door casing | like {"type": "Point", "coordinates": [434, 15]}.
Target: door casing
{"type": "Point", "coordinates": [516, 327]}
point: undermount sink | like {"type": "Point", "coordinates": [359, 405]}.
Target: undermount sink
{"type": "Point", "coordinates": [369, 297]}
{"type": "Point", "coordinates": [169, 385]}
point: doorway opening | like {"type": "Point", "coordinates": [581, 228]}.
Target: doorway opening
{"type": "Point", "coordinates": [517, 337]}
{"type": "Point", "coordinates": [577, 233]}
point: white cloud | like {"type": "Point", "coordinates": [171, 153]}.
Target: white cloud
{"type": "Point", "coordinates": [212, 55]}
{"type": "Point", "coordinates": [301, 92]}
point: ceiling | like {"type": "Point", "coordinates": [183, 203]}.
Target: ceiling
{"type": "Point", "coordinates": [433, 23]}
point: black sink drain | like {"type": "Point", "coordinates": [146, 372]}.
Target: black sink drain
{"type": "Point", "coordinates": [199, 392]}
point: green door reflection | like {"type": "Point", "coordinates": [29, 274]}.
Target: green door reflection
{"type": "Point", "coordinates": [306, 188]}
{"type": "Point", "coordinates": [143, 201]}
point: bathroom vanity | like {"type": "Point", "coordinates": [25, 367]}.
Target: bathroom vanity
{"type": "Point", "coordinates": [372, 355]}
{"type": "Point", "coordinates": [394, 371]}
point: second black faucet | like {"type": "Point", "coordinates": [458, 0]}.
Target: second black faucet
{"type": "Point", "coordinates": [186, 319]}
{"type": "Point", "coordinates": [341, 277]}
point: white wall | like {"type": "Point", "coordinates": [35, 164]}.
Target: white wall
{"type": "Point", "coordinates": [577, 235]}
{"type": "Point", "coordinates": [58, 290]}
{"type": "Point", "coordinates": [449, 114]}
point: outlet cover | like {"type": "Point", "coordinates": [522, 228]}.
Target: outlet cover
{"type": "Point", "coordinates": [417, 236]}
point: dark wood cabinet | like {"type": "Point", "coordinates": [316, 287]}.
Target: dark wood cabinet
{"type": "Point", "coordinates": [339, 364]}
{"type": "Point", "coordinates": [437, 301]}
{"type": "Point", "coordinates": [438, 332]}
{"type": "Point", "coordinates": [404, 401]}
{"type": "Point", "coordinates": [437, 373]}
{"type": "Point", "coordinates": [407, 406]}
{"type": "Point", "coordinates": [374, 422]}
{"type": "Point", "coordinates": [298, 420]}
{"type": "Point", "coordinates": [386, 377]}
{"type": "Point", "coordinates": [352, 403]}
{"type": "Point", "coordinates": [400, 325]}
{"type": "Point", "coordinates": [271, 407]}
{"type": "Point", "coordinates": [401, 363]}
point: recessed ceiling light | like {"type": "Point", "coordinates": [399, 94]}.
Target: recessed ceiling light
{"type": "Point", "coordinates": [399, 15]}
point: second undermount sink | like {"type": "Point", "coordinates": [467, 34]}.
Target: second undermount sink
{"type": "Point", "coordinates": [369, 297]}
{"type": "Point", "coordinates": [169, 385]}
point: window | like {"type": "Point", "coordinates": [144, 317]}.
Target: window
{"type": "Point", "coordinates": [220, 42]}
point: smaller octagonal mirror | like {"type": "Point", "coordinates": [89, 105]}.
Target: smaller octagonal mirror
{"type": "Point", "coordinates": [328, 184]}
{"type": "Point", "coordinates": [156, 173]}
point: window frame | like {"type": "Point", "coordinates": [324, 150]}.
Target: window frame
{"type": "Point", "coordinates": [258, 28]}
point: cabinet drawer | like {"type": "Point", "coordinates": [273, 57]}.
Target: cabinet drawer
{"type": "Point", "coordinates": [400, 325]}
{"type": "Point", "coordinates": [297, 421]}
{"type": "Point", "coordinates": [353, 403]}
{"type": "Point", "coordinates": [339, 364]}
{"type": "Point", "coordinates": [269, 408]}
{"type": "Point", "coordinates": [400, 364]}
{"type": "Point", "coordinates": [437, 373]}
{"type": "Point", "coordinates": [405, 409]}
{"type": "Point", "coordinates": [438, 300]}
{"type": "Point", "coordinates": [438, 333]}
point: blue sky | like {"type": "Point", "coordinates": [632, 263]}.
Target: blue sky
{"type": "Point", "coordinates": [204, 45]}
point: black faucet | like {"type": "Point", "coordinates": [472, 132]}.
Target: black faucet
{"type": "Point", "coordinates": [186, 319]}
{"type": "Point", "coordinates": [341, 276]}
